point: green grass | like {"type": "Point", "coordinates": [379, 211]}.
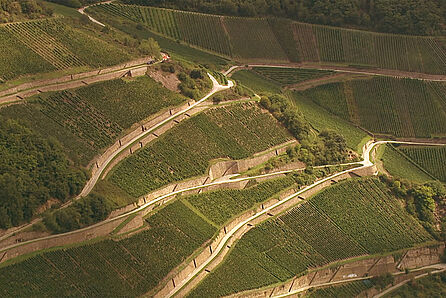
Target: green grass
{"type": "Point", "coordinates": [62, 10]}
{"type": "Point", "coordinates": [313, 234]}
{"type": "Point", "coordinates": [256, 82]}
{"type": "Point", "coordinates": [236, 132]}
{"type": "Point", "coordinates": [399, 166]}
{"type": "Point", "coordinates": [430, 158]}
{"type": "Point", "coordinates": [321, 119]}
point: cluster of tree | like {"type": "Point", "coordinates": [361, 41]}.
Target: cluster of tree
{"type": "Point", "coordinates": [17, 10]}
{"type": "Point", "coordinates": [193, 82]}
{"type": "Point", "coordinates": [232, 94]}
{"type": "Point", "coordinates": [32, 170]}
{"type": "Point", "coordinates": [328, 147]}
{"type": "Point", "coordinates": [422, 201]}
{"type": "Point", "coordinates": [283, 111]}
{"type": "Point", "coordinates": [84, 212]}
{"type": "Point", "coordinates": [421, 17]}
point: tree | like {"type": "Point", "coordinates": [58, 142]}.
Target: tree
{"type": "Point", "coordinates": [150, 47]}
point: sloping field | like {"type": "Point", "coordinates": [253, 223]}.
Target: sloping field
{"type": "Point", "coordinates": [430, 158]}
{"type": "Point", "coordinates": [205, 31]}
{"type": "Point", "coordinates": [399, 107]}
{"type": "Point", "coordinates": [253, 39]}
{"type": "Point", "coordinates": [44, 45]}
{"type": "Point", "coordinates": [135, 265]}
{"type": "Point", "coordinates": [316, 233]}
{"type": "Point", "coordinates": [184, 151]}
{"type": "Point", "coordinates": [16, 59]}
{"type": "Point", "coordinates": [351, 289]}
{"type": "Point", "coordinates": [89, 119]}
{"type": "Point", "coordinates": [47, 45]}
{"type": "Point", "coordinates": [284, 40]}
{"type": "Point", "coordinates": [400, 166]}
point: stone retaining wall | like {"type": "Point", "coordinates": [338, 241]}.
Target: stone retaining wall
{"type": "Point", "coordinates": [374, 266]}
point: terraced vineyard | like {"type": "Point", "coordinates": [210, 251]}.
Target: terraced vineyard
{"type": "Point", "coordinates": [220, 206]}
{"type": "Point", "coordinates": [17, 59]}
{"type": "Point", "coordinates": [131, 266]}
{"type": "Point", "coordinates": [383, 105]}
{"type": "Point", "coordinates": [432, 159]}
{"type": "Point", "coordinates": [88, 119]}
{"type": "Point", "coordinates": [184, 151]}
{"type": "Point", "coordinates": [46, 45]}
{"type": "Point", "coordinates": [289, 76]}
{"type": "Point", "coordinates": [398, 165]}
{"type": "Point", "coordinates": [282, 40]}
{"type": "Point", "coordinates": [321, 119]}
{"type": "Point", "coordinates": [205, 31]}
{"type": "Point", "coordinates": [316, 233]}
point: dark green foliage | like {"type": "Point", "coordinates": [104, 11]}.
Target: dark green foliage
{"type": "Point", "coordinates": [12, 11]}
{"type": "Point", "coordinates": [281, 108]}
{"type": "Point", "coordinates": [84, 212]}
{"type": "Point", "coordinates": [418, 17]}
{"type": "Point", "coordinates": [32, 170]}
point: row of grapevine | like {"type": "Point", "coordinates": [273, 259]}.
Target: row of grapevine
{"type": "Point", "coordinates": [221, 205]}
{"type": "Point", "coordinates": [399, 107]}
{"type": "Point", "coordinates": [432, 159]}
{"type": "Point", "coordinates": [288, 76]}
{"type": "Point", "coordinates": [129, 267]}
{"type": "Point", "coordinates": [205, 31]}
{"type": "Point", "coordinates": [44, 44]}
{"type": "Point", "coordinates": [87, 120]}
{"type": "Point", "coordinates": [133, 265]}
{"type": "Point", "coordinates": [185, 150]}
{"type": "Point", "coordinates": [253, 39]}
{"type": "Point", "coordinates": [17, 59]}
{"type": "Point", "coordinates": [313, 234]}
{"type": "Point", "coordinates": [387, 228]}
{"type": "Point", "coordinates": [282, 40]}
{"type": "Point", "coordinates": [129, 101]}
{"type": "Point", "coordinates": [93, 51]}
{"type": "Point", "coordinates": [81, 118]}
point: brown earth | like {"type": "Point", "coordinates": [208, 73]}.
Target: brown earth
{"type": "Point", "coordinates": [169, 80]}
